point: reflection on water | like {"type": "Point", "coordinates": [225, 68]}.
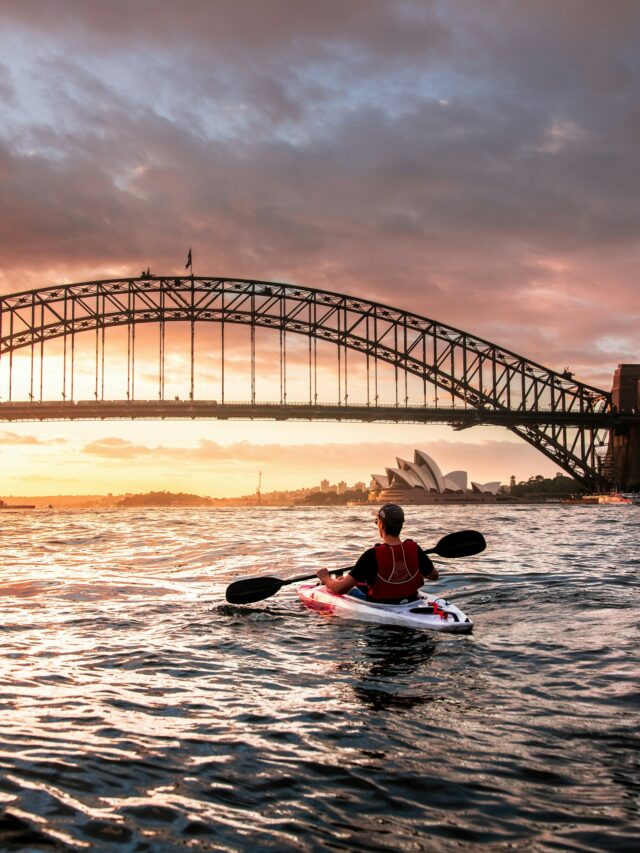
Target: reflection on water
{"type": "Point", "coordinates": [139, 711]}
{"type": "Point", "coordinates": [391, 668]}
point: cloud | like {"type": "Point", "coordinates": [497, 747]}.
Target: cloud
{"type": "Point", "coordinates": [13, 438]}
{"type": "Point", "coordinates": [7, 92]}
{"type": "Point", "coordinates": [119, 448]}
{"type": "Point", "coordinates": [304, 462]}
{"type": "Point", "coordinates": [474, 165]}
{"type": "Point", "coordinates": [46, 479]}
{"type": "Point", "coordinates": [263, 29]}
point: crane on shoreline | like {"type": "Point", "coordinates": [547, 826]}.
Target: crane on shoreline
{"type": "Point", "coordinates": [258, 495]}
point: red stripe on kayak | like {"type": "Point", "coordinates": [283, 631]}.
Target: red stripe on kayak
{"type": "Point", "coordinates": [321, 606]}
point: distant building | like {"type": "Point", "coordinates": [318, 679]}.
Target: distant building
{"type": "Point", "coordinates": [324, 486]}
{"type": "Point", "coordinates": [422, 482]}
{"type": "Point", "coordinates": [359, 487]}
{"type": "Point", "coordinates": [342, 487]}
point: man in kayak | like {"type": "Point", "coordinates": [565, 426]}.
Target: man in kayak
{"type": "Point", "coordinates": [391, 572]}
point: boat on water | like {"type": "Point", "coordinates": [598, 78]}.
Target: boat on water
{"type": "Point", "coordinates": [5, 505]}
{"type": "Point", "coordinates": [616, 498]}
{"type": "Point", "coordinates": [612, 499]}
{"type": "Point", "coordinates": [430, 612]}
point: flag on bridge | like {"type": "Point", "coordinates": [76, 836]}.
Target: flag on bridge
{"type": "Point", "coordinates": [189, 262]}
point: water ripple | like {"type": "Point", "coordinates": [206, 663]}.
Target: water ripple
{"type": "Point", "coordinates": [139, 711]}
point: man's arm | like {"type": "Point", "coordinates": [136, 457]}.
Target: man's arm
{"type": "Point", "coordinates": [426, 566]}
{"type": "Point", "coordinates": [364, 571]}
{"type": "Point", "coordinates": [337, 585]}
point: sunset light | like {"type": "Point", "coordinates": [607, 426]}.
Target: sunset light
{"type": "Point", "coordinates": [319, 425]}
{"type": "Point", "coordinates": [421, 188]}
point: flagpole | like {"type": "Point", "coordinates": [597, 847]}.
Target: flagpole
{"type": "Point", "coordinates": [189, 266]}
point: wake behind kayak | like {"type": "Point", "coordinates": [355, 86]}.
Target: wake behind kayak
{"type": "Point", "coordinates": [429, 612]}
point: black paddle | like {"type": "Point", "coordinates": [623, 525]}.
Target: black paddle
{"type": "Point", "coordinates": [464, 543]}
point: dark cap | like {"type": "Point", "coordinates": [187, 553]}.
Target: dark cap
{"type": "Point", "coordinates": [391, 514]}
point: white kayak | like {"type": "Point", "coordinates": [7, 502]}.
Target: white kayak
{"type": "Point", "coordinates": [430, 611]}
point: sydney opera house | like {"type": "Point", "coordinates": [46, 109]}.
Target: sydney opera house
{"type": "Point", "coordinates": [422, 482]}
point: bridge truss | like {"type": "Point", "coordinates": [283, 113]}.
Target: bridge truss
{"type": "Point", "coordinates": [469, 380]}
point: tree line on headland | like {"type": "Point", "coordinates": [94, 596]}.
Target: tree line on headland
{"type": "Point", "coordinates": [539, 486]}
{"type": "Point", "coordinates": [163, 499]}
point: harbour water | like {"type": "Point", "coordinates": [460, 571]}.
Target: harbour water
{"type": "Point", "coordinates": [140, 712]}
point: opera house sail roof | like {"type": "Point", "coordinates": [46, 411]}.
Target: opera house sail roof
{"type": "Point", "coordinates": [422, 481]}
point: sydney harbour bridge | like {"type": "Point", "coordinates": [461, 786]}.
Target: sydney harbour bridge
{"type": "Point", "coordinates": [324, 356]}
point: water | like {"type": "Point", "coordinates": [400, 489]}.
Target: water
{"type": "Point", "coordinates": [140, 712]}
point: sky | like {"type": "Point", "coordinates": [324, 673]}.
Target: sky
{"type": "Point", "coordinates": [476, 163]}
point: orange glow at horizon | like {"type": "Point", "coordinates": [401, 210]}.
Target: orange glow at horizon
{"type": "Point", "coordinates": [222, 459]}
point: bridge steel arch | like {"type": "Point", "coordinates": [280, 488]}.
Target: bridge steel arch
{"type": "Point", "coordinates": [564, 419]}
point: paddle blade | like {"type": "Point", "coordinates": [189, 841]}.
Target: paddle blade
{"type": "Point", "coordinates": [252, 589]}
{"type": "Point", "coordinates": [464, 543]}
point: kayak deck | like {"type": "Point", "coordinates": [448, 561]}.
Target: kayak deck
{"type": "Point", "coordinates": [430, 611]}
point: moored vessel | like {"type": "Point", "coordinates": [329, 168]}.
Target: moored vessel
{"type": "Point", "coordinates": [613, 498]}
{"type": "Point", "coordinates": [5, 505]}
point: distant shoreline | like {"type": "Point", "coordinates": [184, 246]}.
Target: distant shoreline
{"type": "Point", "coordinates": [170, 500]}
{"type": "Point", "coordinates": [535, 490]}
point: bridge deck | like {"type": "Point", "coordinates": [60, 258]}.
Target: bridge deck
{"type": "Point", "coordinates": [90, 410]}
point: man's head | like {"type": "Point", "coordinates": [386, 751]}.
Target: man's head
{"type": "Point", "coordinates": [391, 518]}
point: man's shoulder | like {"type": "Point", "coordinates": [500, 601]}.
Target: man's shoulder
{"type": "Point", "coordinates": [366, 563]}
{"type": "Point", "coordinates": [413, 542]}
{"type": "Point", "coordinates": [369, 552]}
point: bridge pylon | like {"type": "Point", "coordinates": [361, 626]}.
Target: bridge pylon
{"type": "Point", "coordinates": [624, 444]}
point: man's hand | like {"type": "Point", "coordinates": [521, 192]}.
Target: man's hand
{"type": "Point", "coordinates": [339, 585]}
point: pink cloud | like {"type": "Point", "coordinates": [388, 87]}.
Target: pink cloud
{"type": "Point", "coordinates": [12, 438]}
{"type": "Point", "coordinates": [486, 460]}
{"type": "Point", "coordinates": [474, 167]}
{"type": "Point", "coordinates": [117, 448]}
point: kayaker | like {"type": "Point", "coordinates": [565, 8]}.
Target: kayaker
{"type": "Point", "coordinates": [390, 572]}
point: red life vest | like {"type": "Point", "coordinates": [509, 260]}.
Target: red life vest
{"type": "Point", "coordinates": [399, 574]}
